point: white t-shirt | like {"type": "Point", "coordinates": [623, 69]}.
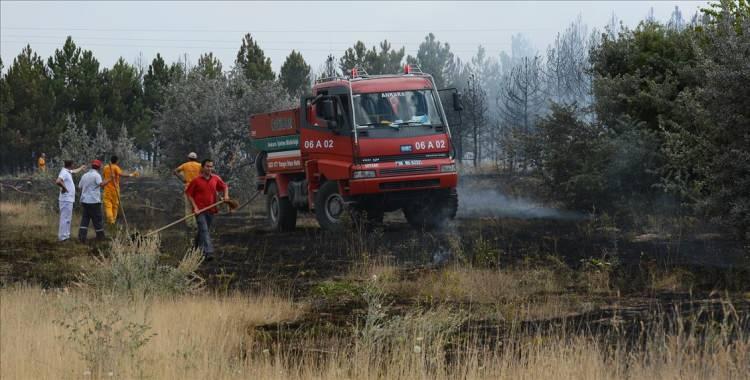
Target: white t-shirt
{"type": "Point", "coordinates": [89, 185]}
{"type": "Point", "coordinates": [67, 178]}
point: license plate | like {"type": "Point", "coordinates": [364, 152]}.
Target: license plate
{"type": "Point", "coordinates": [408, 162]}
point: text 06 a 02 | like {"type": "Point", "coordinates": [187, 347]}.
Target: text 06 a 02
{"type": "Point", "coordinates": [422, 145]}
{"type": "Point", "coordinates": [318, 144]}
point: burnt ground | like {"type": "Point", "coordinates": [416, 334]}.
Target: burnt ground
{"type": "Point", "coordinates": [251, 257]}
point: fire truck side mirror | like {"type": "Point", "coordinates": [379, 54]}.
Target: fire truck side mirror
{"type": "Point", "coordinates": [326, 109]}
{"type": "Point", "coordinates": [458, 104]}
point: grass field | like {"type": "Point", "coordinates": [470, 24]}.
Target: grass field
{"type": "Point", "coordinates": [516, 299]}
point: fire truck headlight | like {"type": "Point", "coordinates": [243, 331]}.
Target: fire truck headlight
{"type": "Point", "coordinates": [363, 174]}
{"type": "Point", "coordinates": [448, 168]}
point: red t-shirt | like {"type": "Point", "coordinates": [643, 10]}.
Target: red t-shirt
{"type": "Point", "coordinates": [203, 191]}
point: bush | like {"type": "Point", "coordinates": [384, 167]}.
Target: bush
{"type": "Point", "coordinates": [132, 269]}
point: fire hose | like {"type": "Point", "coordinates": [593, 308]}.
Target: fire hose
{"type": "Point", "coordinates": [233, 206]}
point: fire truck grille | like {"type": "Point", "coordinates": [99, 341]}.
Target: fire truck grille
{"type": "Point", "coordinates": [409, 184]}
{"type": "Point", "coordinates": [414, 170]}
{"type": "Point", "coordinates": [411, 156]}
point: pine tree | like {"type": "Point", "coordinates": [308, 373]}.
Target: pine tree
{"type": "Point", "coordinates": [208, 66]}
{"type": "Point", "coordinates": [29, 108]}
{"type": "Point", "coordinates": [357, 56]}
{"type": "Point", "coordinates": [388, 60]}
{"type": "Point", "coordinates": [434, 58]}
{"type": "Point", "coordinates": [63, 67]}
{"type": "Point", "coordinates": [123, 96]}
{"type": "Point", "coordinates": [383, 61]}
{"type": "Point", "coordinates": [295, 74]}
{"type": "Point", "coordinates": [155, 82]}
{"type": "Point", "coordinates": [253, 62]}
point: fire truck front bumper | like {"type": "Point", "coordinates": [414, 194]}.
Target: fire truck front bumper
{"type": "Point", "coordinates": [378, 185]}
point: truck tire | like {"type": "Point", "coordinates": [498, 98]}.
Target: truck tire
{"type": "Point", "coordinates": [261, 164]}
{"type": "Point", "coordinates": [282, 216]}
{"type": "Point", "coordinates": [434, 212]}
{"type": "Point", "coordinates": [330, 207]}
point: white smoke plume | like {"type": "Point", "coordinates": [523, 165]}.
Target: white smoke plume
{"type": "Point", "coordinates": [473, 202]}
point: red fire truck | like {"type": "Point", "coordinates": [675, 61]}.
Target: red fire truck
{"type": "Point", "coordinates": [359, 145]}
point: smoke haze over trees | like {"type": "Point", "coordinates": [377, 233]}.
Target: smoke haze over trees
{"type": "Point", "coordinates": [606, 119]}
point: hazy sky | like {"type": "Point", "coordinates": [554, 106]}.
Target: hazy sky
{"type": "Point", "coordinates": [133, 29]}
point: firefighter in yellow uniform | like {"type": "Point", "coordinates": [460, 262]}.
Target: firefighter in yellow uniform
{"type": "Point", "coordinates": [186, 173]}
{"type": "Point", "coordinates": [111, 194]}
{"type": "Point", "coordinates": [42, 163]}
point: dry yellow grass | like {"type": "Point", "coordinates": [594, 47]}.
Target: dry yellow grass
{"type": "Point", "coordinates": [196, 337]}
{"type": "Point", "coordinates": [23, 215]}
{"type": "Point", "coordinates": [204, 337]}
{"type": "Point", "coordinates": [465, 284]}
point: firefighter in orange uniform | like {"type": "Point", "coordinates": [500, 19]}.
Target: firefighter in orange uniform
{"type": "Point", "coordinates": [42, 163]}
{"type": "Point", "coordinates": [111, 194]}
{"type": "Point", "coordinates": [186, 173]}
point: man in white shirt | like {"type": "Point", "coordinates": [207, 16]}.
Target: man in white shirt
{"type": "Point", "coordinates": [91, 201]}
{"type": "Point", "coordinates": [67, 198]}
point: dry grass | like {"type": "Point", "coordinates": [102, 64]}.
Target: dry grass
{"type": "Point", "coordinates": [504, 295]}
{"type": "Point", "coordinates": [21, 215]}
{"type": "Point", "coordinates": [204, 336]}
{"type": "Point", "coordinates": [196, 337]}
{"type": "Point", "coordinates": [474, 285]}
{"type": "Point", "coordinates": [200, 337]}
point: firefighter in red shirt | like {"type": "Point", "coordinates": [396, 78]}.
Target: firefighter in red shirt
{"type": "Point", "coordinates": [202, 193]}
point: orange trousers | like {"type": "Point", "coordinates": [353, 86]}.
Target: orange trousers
{"type": "Point", "coordinates": [111, 204]}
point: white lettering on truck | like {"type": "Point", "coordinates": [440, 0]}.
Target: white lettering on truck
{"type": "Point", "coordinates": [318, 144]}
{"type": "Point", "coordinates": [423, 145]}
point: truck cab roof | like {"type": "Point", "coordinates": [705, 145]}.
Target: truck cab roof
{"type": "Point", "coordinates": [379, 83]}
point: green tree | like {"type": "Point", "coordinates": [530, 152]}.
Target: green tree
{"type": "Point", "coordinates": [63, 69]}
{"type": "Point", "coordinates": [707, 142]}
{"type": "Point", "coordinates": [374, 61]}
{"type": "Point", "coordinates": [572, 158]}
{"type": "Point", "coordinates": [388, 61]}
{"type": "Point", "coordinates": [88, 92]}
{"type": "Point", "coordinates": [208, 66]}
{"type": "Point", "coordinates": [726, 99]}
{"type": "Point", "coordinates": [6, 101]}
{"type": "Point", "coordinates": [434, 58]}
{"type": "Point", "coordinates": [155, 82]}
{"type": "Point", "coordinates": [123, 95]}
{"type": "Point", "coordinates": [29, 107]}
{"type": "Point", "coordinates": [295, 74]}
{"type": "Point", "coordinates": [77, 83]}
{"type": "Point", "coordinates": [640, 76]}
{"type": "Point", "coordinates": [357, 56]}
{"type": "Point", "coordinates": [177, 71]}
{"type": "Point", "coordinates": [640, 72]}
{"type": "Point", "coordinates": [253, 62]}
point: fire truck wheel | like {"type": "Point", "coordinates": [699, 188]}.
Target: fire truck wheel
{"type": "Point", "coordinates": [261, 164]}
{"type": "Point", "coordinates": [330, 207]}
{"type": "Point", "coordinates": [282, 216]}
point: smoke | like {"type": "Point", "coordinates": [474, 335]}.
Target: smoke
{"type": "Point", "coordinates": [473, 202]}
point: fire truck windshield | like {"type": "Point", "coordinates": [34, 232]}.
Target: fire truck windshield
{"type": "Point", "coordinates": [396, 109]}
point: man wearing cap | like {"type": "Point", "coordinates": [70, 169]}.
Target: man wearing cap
{"type": "Point", "coordinates": [186, 173]}
{"type": "Point", "coordinates": [91, 201]}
